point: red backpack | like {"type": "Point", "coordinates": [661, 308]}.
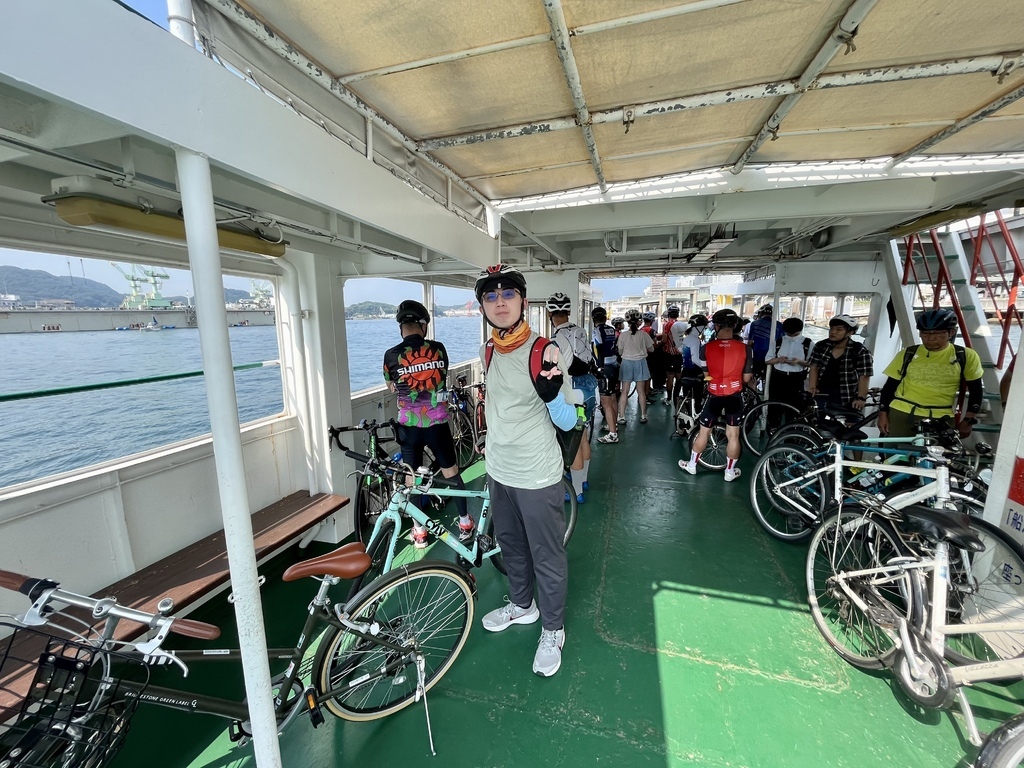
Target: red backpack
{"type": "Point", "coordinates": [536, 356]}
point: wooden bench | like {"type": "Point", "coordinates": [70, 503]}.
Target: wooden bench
{"type": "Point", "coordinates": [188, 577]}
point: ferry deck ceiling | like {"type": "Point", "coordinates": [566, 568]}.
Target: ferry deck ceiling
{"type": "Point", "coordinates": [683, 137]}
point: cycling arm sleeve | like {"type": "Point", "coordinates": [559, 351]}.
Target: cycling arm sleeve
{"type": "Point", "coordinates": [975, 390]}
{"type": "Point", "coordinates": [562, 413]}
{"type": "Point", "coordinates": [887, 394]}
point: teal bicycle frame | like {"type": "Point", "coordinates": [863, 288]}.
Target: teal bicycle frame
{"type": "Point", "coordinates": [484, 545]}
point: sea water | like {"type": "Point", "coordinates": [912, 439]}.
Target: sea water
{"type": "Point", "coordinates": [48, 435]}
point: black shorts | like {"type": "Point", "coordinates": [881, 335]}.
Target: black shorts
{"type": "Point", "coordinates": [672, 363]}
{"type": "Point", "coordinates": [438, 438]}
{"type": "Point", "coordinates": [729, 406]}
{"type": "Point", "coordinates": [608, 383]}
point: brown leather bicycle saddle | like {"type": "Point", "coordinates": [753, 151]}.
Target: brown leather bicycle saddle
{"type": "Point", "coordinates": [346, 562]}
{"type": "Point", "coordinates": [939, 525]}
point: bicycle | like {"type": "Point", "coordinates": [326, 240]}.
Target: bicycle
{"type": "Point", "coordinates": [715, 454]}
{"type": "Point", "coordinates": [388, 523]}
{"type": "Point", "coordinates": [790, 487]}
{"type": "Point", "coordinates": [372, 655]}
{"type": "Point", "coordinates": [466, 428]}
{"type": "Point", "coordinates": [769, 421]}
{"type": "Point", "coordinates": [936, 596]}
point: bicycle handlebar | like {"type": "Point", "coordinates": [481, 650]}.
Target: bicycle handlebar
{"type": "Point", "coordinates": [372, 425]}
{"type": "Point", "coordinates": [106, 607]}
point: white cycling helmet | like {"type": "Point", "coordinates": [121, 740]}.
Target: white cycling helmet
{"type": "Point", "coordinates": [559, 303]}
{"type": "Point", "coordinates": [849, 322]}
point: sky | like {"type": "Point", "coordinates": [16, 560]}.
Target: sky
{"type": "Point", "coordinates": [180, 281]}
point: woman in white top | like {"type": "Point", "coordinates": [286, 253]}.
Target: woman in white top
{"type": "Point", "coordinates": [634, 346]}
{"type": "Point", "coordinates": [789, 363]}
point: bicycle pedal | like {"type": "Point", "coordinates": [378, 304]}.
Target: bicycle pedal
{"type": "Point", "coordinates": [316, 717]}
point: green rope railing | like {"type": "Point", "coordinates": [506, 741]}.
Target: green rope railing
{"type": "Point", "coordinates": [12, 396]}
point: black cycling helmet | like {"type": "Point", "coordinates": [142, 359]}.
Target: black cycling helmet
{"type": "Point", "coordinates": [649, 317]}
{"type": "Point", "coordinates": [599, 314]}
{"type": "Point", "coordinates": [500, 276]}
{"type": "Point", "coordinates": [937, 320]}
{"type": "Point", "coordinates": [410, 311]}
{"type": "Point", "coordinates": [792, 325]}
{"type": "Point", "coordinates": [725, 318]}
{"type": "Point", "coordinates": [558, 303]}
{"type": "Point", "coordinates": [698, 320]}
{"type": "Point", "coordinates": [673, 310]}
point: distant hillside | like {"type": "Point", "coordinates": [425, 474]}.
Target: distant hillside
{"type": "Point", "coordinates": [372, 309]}
{"type": "Point", "coordinates": [33, 285]}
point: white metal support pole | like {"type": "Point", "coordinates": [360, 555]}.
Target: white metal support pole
{"type": "Point", "coordinates": [292, 287]}
{"type": "Point", "coordinates": [196, 188]}
{"type": "Point", "coordinates": [179, 21]}
{"type": "Point", "coordinates": [893, 266]}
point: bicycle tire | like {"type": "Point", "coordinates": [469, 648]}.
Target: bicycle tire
{"type": "Point", "coordinates": [755, 431]}
{"type": "Point", "coordinates": [991, 594]}
{"type": "Point", "coordinates": [714, 454]}
{"type": "Point", "coordinates": [852, 539]}
{"type": "Point", "coordinates": [372, 498]}
{"type": "Point", "coordinates": [429, 601]}
{"type": "Point", "coordinates": [378, 551]}
{"type": "Point", "coordinates": [571, 510]}
{"type": "Point", "coordinates": [463, 437]}
{"type": "Point", "coordinates": [789, 513]}
{"type": "Point", "coordinates": [798, 433]}
{"type": "Point", "coordinates": [1004, 747]}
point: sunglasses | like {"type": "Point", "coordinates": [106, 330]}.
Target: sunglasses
{"type": "Point", "coordinates": [507, 294]}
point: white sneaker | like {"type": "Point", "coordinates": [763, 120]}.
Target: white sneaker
{"type": "Point", "coordinates": [549, 652]}
{"type": "Point", "coordinates": [731, 474]}
{"type": "Point", "coordinates": [502, 618]}
{"type": "Point", "coordinates": [611, 437]}
{"type": "Point", "coordinates": [688, 467]}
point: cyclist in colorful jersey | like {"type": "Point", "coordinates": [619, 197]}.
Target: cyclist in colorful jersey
{"type": "Point", "coordinates": [575, 346]}
{"type": "Point", "coordinates": [524, 464]}
{"type": "Point", "coordinates": [607, 358]}
{"type": "Point", "coordinates": [417, 370]}
{"type": "Point", "coordinates": [729, 368]}
{"type": "Point", "coordinates": [925, 385]}
{"type": "Point", "coordinates": [672, 358]}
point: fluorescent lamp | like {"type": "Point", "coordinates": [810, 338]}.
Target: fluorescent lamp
{"type": "Point", "coordinates": [93, 212]}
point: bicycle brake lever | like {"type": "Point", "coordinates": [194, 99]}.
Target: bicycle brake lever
{"type": "Point", "coordinates": [160, 656]}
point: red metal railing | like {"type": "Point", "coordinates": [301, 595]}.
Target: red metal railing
{"type": "Point", "coordinates": [1005, 288]}
{"type": "Point", "coordinates": [941, 282]}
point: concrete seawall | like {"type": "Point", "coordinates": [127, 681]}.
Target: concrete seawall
{"type": "Point", "coordinates": [68, 320]}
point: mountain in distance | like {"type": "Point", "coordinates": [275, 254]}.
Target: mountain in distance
{"type": "Point", "coordinates": [32, 285]}
{"type": "Point", "coordinates": [369, 310]}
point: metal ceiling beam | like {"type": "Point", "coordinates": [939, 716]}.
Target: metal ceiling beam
{"type": "Point", "coordinates": [560, 37]}
{"type": "Point", "coordinates": [525, 232]}
{"type": "Point", "coordinates": [959, 125]}
{"type": "Point", "coordinates": [996, 64]}
{"type": "Point", "coordinates": [522, 42]}
{"type": "Point", "coordinates": [841, 36]}
{"type": "Point", "coordinates": [263, 33]}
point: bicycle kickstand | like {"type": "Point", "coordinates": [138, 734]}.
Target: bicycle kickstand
{"type": "Point", "coordinates": [972, 727]}
{"type": "Point", "coordinates": [421, 692]}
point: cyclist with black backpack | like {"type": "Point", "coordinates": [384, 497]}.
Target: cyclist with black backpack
{"type": "Point", "coordinates": [924, 378]}
{"type": "Point", "coordinates": [574, 345]}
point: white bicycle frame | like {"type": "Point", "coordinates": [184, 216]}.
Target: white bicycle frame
{"type": "Point", "coordinates": [938, 567]}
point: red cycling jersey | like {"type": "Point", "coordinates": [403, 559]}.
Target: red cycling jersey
{"type": "Point", "coordinates": [728, 360]}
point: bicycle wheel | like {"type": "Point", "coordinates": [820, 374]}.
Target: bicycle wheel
{"type": "Point", "coordinates": [1004, 747]}
{"type": "Point", "coordinates": [798, 434]}
{"type": "Point", "coordinates": [755, 432]}
{"type": "Point", "coordinates": [378, 550]}
{"type": "Point", "coordinates": [850, 540]}
{"type": "Point", "coordinates": [570, 511]}
{"type": "Point", "coordinates": [751, 397]}
{"type": "Point", "coordinates": [425, 607]}
{"type": "Point", "coordinates": [714, 454]}
{"type": "Point", "coordinates": [463, 437]}
{"type": "Point", "coordinates": [372, 498]}
{"type": "Point", "coordinates": [788, 512]}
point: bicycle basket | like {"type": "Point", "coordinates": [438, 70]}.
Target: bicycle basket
{"type": "Point", "coordinates": [63, 703]}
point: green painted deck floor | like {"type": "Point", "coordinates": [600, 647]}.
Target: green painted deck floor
{"type": "Point", "coordinates": [689, 643]}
